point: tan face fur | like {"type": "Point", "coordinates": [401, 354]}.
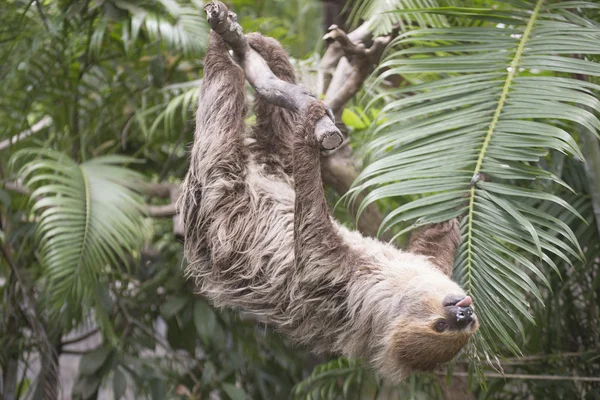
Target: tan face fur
{"type": "Point", "coordinates": [428, 332]}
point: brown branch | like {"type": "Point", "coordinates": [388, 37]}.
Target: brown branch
{"type": "Point", "coordinates": [76, 352]}
{"type": "Point", "coordinates": [167, 210]}
{"type": "Point", "coordinates": [38, 126]}
{"type": "Point", "coordinates": [353, 63]}
{"type": "Point", "coordinates": [331, 59]}
{"type": "Point", "coordinates": [79, 338]}
{"type": "Point", "coordinates": [349, 77]}
{"type": "Point", "coordinates": [339, 171]}
{"type": "Point", "coordinates": [272, 89]}
{"type": "Point", "coordinates": [48, 353]}
{"type": "Point", "coordinates": [158, 189]}
{"type": "Point", "coordinates": [167, 190]}
{"type": "Point", "coordinates": [16, 187]}
{"type": "Point", "coordinates": [545, 357]}
{"type": "Point", "coordinates": [531, 377]}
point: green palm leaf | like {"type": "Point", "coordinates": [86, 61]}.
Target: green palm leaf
{"type": "Point", "coordinates": [89, 221]}
{"type": "Point", "coordinates": [382, 20]}
{"type": "Point", "coordinates": [498, 97]}
{"type": "Point", "coordinates": [185, 29]}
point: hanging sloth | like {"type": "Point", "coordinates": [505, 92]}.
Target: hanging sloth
{"type": "Point", "coordinates": [259, 236]}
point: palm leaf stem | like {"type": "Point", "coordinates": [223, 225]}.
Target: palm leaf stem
{"type": "Point", "coordinates": [507, 84]}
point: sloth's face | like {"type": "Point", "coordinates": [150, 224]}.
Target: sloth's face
{"type": "Point", "coordinates": [436, 321]}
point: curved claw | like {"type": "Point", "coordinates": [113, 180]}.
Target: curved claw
{"type": "Point", "coordinates": [330, 112]}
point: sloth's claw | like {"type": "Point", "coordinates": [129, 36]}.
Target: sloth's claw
{"type": "Point", "coordinates": [330, 112]}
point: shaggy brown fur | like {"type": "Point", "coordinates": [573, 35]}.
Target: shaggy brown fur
{"type": "Point", "coordinates": [439, 242]}
{"type": "Point", "coordinates": [259, 236]}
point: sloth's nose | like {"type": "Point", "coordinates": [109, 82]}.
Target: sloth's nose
{"type": "Point", "coordinates": [464, 316]}
{"type": "Point", "coordinates": [457, 300]}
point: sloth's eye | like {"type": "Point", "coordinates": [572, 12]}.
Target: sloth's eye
{"type": "Point", "coordinates": [441, 326]}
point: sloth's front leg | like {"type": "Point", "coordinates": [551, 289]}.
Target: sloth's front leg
{"type": "Point", "coordinates": [316, 240]}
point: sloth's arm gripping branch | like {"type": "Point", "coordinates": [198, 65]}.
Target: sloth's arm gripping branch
{"type": "Point", "coordinates": [272, 89]}
{"type": "Point", "coordinates": [316, 240]}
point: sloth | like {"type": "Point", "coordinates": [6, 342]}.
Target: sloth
{"type": "Point", "coordinates": [259, 237]}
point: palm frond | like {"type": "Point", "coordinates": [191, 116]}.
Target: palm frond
{"type": "Point", "coordinates": [186, 30]}
{"type": "Point", "coordinates": [180, 100]}
{"type": "Point", "coordinates": [335, 379]}
{"type": "Point", "coordinates": [499, 97]}
{"type": "Point", "coordinates": [89, 221]}
{"type": "Point", "coordinates": [383, 16]}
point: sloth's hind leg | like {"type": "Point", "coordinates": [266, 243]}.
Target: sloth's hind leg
{"type": "Point", "coordinates": [274, 125]}
{"type": "Point", "coordinates": [438, 241]}
{"type": "Point", "coordinates": [218, 151]}
{"type": "Point", "coordinates": [218, 158]}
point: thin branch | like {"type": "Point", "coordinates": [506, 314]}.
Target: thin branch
{"type": "Point", "coordinates": [591, 152]}
{"type": "Point", "coordinates": [167, 210]}
{"type": "Point", "coordinates": [43, 15]}
{"type": "Point", "coordinates": [158, 189]}
{"type": "Point", "coordinates": [334, 54]}
{"type": "Point", "coordinates": [544, 357]}
{"type": "Point", "coordinates": [16, 187]}
{"type": "Point", "coordinates": [79, 338]}
{"type": "Point", "coordinates": [531, 377]}
{"type": "Point", "coordinates": [349, 77]}
{"type": "Point", "coordinates": [27, 308]}
{"type": "Point", "coordinates": [38, 126]}
{"type": "Point", "coordinates": [76, 352]}
{"type": "Point", "coordinates": [183, 360]}
{"type": "Point", "coordinates": [272, 89]}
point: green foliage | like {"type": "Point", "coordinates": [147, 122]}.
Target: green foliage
{"type": "Point", "coordinates": [119, 80]}
{"type": "Point", "coordinates": [385, 16]}
{"type": "Point", "coordinates": [503, 88]}
{"type": "Point", "coordinates": [493, 106]}
{"type": "Point", "coordinates": [341, 378]}
{"type": "Point", "coordinates": [88, 218]}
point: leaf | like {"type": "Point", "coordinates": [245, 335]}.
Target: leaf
{"type": "Point", "coordinates": [205, 319]}
{"type": "Point", "coordinates": [119, 384]}
{"type": "Point", "coordinates": [352, 119]}
{"type": "Point", "coordinates": [87, 386]}
{"type": "Point", "coordinates": [382, 21]}
{"type": "Point", "coordinates": [89, 224]}
{"type": "Point", "coordinates": [173, 306]}
{"type": "Point", "coordinates": [93, 361]}
{"type": "Point", "coordinates": [234, 392]}
{"type": "Point", "coordinates": [488, 99]}
{"type": "Point", "coordinates": [158, 389]}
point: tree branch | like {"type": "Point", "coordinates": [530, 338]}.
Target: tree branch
{"type": "Point", "coordinates": [333, 55]}
{"type": "Point", "coordinates": [274, 90]}
{"type": "Point", "coordinates": [349, 77]}
{"type": "Point", "coordinates": [353, 63]}
{"type": "Point", "coordinates": [591, 152]}
{"type": "Point", "coordinates": [79, 338]}
{"type": "Point", "coordinates": [16, 187]}
{"type": "Point", "coordinates": [163, 190]}
{"type": "Point", "coordinates": [531, 377]}
{"type": "Point", "coordinates": [166, 190]}
{"type": "Point", "coordinates": [38, 126]}
{"type": "Point", "coordinates": [167, 210]}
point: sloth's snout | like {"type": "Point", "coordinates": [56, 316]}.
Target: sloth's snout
{"type": "Point", "coordinates": [464, 316]}
{"type": "Point", "coordinates": [459, 311]}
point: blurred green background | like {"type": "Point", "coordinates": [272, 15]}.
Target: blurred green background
{"type": "Point", "coordinates": [97, 96]}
